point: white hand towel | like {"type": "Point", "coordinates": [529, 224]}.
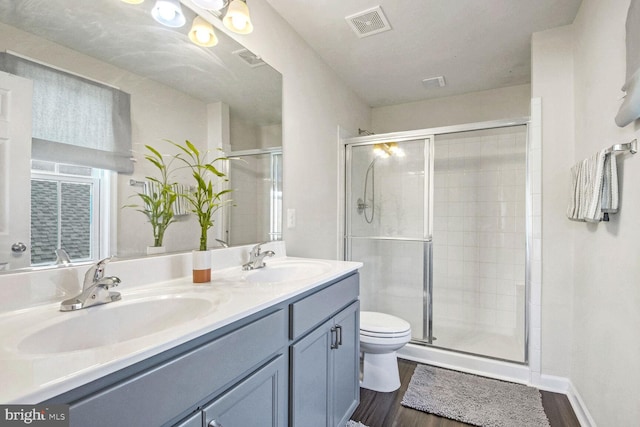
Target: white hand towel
{"type": "Point", "coordinates": [587, 178]}
{"type": "Point", "coordinates": [610, 185]}
{"type": "Point", "coordinates": [594, 187]}
{"type": "Point", "coordinates": [574, 200]}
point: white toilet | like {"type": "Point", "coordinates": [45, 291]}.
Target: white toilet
{"type": "Point", "coordinates": [381, 335]}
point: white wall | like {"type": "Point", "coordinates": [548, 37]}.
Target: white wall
{"type": "Point", "coordinates": [315, 102]}
{"type": "Point", "coordinates": [495, 104]}
{"type": "Point", "coordinates": [552, 82]}
{"type": "Point", "coordinates": [589, 271]}
{"type": "Point", "coordinates": [606, 319]}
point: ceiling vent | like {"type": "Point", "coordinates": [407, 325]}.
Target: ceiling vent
{"type": "Point", "coordinates": [369, 22]}
{"type": "Point", "coordinates": [434, 82]}
{"type": "Point", "coordinates": [250, 58]}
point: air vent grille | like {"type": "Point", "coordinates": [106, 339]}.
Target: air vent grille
{"type": "Point", "coordinates": [434, 82]}
{"type": "Point", "coordinates": [369, 22]}
{"type": "Point", "coordinates": [250, 58]}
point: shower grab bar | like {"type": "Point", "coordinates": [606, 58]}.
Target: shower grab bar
{"type": "Point", "coordinates": [631, 147]}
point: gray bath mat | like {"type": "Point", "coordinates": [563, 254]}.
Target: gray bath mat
{"type": "Point", "coordinates": [474, 400]}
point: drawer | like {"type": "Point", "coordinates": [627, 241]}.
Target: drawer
{"type": "Point", "coordinates": [156, 396]}
{"type": "Point", "coordinates": [314, 309]}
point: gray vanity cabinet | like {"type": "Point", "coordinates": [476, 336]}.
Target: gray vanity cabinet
{"type": "Point", "coordinates": [325, 372]}
{"type": "Point", "coordinates": [258, 401]}
{"type": "Point", "coordinates": [295, 363]}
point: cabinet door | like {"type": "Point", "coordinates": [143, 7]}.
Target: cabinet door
{"type": "Point", "coordinates": [194, 420]}
{"type": "Point", "coordinates": [258, 401]}
{"type": "Point", "coordinates": [310, 374]}
{"type": "Point", "coordinates": [345, 394]}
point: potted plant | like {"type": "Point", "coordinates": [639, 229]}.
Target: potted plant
{"type": "Point", "coordinates": [158, 198]}
{"type": "Point", "coordinates": [204, 201]}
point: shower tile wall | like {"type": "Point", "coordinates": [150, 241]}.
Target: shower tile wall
{"type": "Point", "coordinates": [479, 233]}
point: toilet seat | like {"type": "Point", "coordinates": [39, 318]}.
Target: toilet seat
{"type": "Point", "coordinates": [382, 325]}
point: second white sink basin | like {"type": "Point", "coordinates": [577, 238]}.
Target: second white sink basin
{"type": "Point", "coordinates": [287, 271]}
{"type": "Point", "coordinates": [115, 323]}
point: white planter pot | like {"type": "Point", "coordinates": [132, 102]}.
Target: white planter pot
{"type": "Point", "coordinates": [155, 250]}
{"type": "Point", "coordinates": [201, 266]}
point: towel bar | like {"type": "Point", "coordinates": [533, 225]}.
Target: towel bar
{"type": "Point", "coordinates": [631, 147]}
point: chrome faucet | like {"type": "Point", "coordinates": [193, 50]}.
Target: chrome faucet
{"type": "Point", "coordinates": [256, 257]}
{"type": "Point", "coordinates": [95, 289]}
{"type": "Point", "coordinates": [62, 257]}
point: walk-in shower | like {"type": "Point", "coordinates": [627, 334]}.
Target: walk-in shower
{"type": "Point", "coordinates": [438, 217]}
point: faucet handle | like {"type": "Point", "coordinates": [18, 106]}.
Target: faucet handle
{"type": "Point", "coordinates": [95, 272]}
{"type": "Point", "coordinates": [255, 251]}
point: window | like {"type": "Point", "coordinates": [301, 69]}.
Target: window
{"type": "Point", "coordinates": [67, 202]}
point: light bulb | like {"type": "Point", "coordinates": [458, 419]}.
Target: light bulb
{"type": "Point", "coordinates": [237, 18]}
{"type": "Point", "coordinates": [166, 13]}
{"type": "Point", "coordinates": [169, 13]}
{"type": "Point", "coordinates": [202, 35]}
{"type": "Point", "coordinates": [238, 22]}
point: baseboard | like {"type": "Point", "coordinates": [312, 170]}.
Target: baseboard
{"type": "Point", "coordinates": [579, 407]}
{"type": "Point", "coordinates": [565, 386]}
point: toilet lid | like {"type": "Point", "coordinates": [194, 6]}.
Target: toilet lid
{"type": "Point", "coordinates": [381, 323]}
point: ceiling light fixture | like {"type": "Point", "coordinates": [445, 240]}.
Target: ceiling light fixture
{"type": "Point", "coordinates": [202, 34]}
{"type": "Point", "coordinates": [133, 1]}
{"type": "Point", "coordinates": [169, 13]}
{"type": "Point", "coordinates": [388, 149]}
{"type": "Point", "coordinates": [237, 17]}
{"type": "Point", "coordinates": [211, 4]}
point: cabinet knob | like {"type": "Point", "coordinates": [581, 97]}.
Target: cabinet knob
{"type": "Point", "coordinates": [215, 423]}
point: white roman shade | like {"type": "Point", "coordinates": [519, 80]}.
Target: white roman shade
{"type": "Point", "coordinates": [630, 108]}
{"type": "Point", "coordinates": [75, 120]}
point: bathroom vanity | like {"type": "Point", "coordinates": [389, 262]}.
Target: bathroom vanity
{"type": "Point", "coordinates": [270, 353]}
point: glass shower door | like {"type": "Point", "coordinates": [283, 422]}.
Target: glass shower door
{"type": "Point", "coordinates": [479, 235]}
{"type": "Point", "coordinates": [256, 180]}
{"type": "Point", "coordinates": [388, 228]}
{"type": "Point", "coordinates": [441, 231]}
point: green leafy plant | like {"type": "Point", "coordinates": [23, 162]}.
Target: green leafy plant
{"type": "Point", "coordinates": [159, 197]}
{"type": "Point", "coordinates": [206, 199]}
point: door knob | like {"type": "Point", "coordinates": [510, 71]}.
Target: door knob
{"type": "Point", "coordinates": [18, 247]}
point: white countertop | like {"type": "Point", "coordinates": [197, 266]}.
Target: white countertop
{"type": "Point", "coordinates": [28, 376]}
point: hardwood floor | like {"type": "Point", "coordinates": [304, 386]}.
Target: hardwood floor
{"type": "Point", "coordinates": [384, 409]}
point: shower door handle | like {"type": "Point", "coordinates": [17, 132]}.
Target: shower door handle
{"type": "Point", "coordinates": [339, 335]}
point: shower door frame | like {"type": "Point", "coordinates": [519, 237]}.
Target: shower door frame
{"type": "Point", "coordinates": [275, 216]}
{"type": "Point", "coordinates": [429, 135]}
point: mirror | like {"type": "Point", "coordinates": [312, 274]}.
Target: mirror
{"type": "Point", "coordinates": [221, 96]}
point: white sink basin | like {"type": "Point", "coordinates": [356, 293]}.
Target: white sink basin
{"type": "Point", "coordinates": [114, 323]}
{"type": "Point", "coordinates": [287, 271]}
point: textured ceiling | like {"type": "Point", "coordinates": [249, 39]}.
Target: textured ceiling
{"type": "Point", "coordinates": [475, 44]}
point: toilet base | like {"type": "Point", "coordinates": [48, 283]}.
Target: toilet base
{"type": "Point", "coordinates": [380, 372]}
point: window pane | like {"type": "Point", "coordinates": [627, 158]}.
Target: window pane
{"type": "Point", "coordinates": [44, 221]}
{"type": "Point", "coordinates": [76, 220]}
